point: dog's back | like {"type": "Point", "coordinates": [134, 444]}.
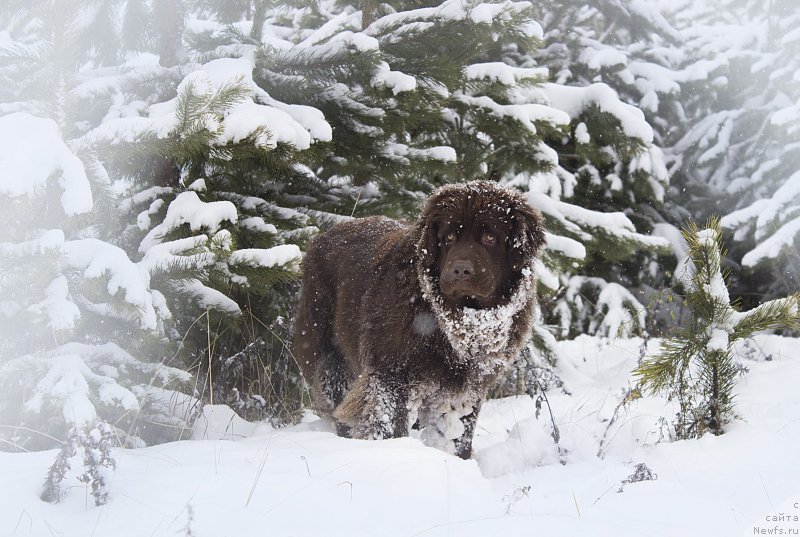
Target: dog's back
{"type": "Point", "coordinates": [335, 279]}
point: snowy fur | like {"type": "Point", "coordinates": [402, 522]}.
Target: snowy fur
{"type": "Point", "coordinates": [479, 335]}
{"type": "Point", "coordinates": [440, 419]}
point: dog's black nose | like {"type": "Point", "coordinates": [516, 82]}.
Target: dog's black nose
{"type": "Point", "coordinates": [462, 269]}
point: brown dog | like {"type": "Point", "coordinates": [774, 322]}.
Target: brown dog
{"type": "Point", "coordinates": [402, 328]}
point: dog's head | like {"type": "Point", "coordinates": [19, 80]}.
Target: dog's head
{"type": "Point", "coordinates": [475, 240]}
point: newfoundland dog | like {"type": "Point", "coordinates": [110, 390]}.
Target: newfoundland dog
{"type": "Point", "coordinates": [402, 328]}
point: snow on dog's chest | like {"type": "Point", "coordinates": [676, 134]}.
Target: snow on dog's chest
{"type": "Point", "coordinates": [477, 333]}
{"type": "Point", "coordinates": [480, 336]}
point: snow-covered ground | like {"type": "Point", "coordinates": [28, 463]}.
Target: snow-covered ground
{"type": "Point", "coordinates": [249, 479]}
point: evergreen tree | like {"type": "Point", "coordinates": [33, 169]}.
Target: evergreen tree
{"type": "Point", "coordinates": [84, 331]}
{"type": "Point", "coordinates": [216, 229]}
{"type": "Point", "coordinates": [71, 301]}
{"type": "Point", "coordinates": [190, 169]}
{"type": "Point", "coordinates": [94, 446]}
{"type": "Point", "coordinates": [613, 53]}
{"type": "Point", "coordinates": [451, 82]}
{"type": "Point", "coordinates": [739, 153]}
{"type": "Point", "coordinates": [695, 366]}
{"type": "Point", "coordinates": [629, 46]}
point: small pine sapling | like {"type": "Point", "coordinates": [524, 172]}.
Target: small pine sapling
{"type": "Point", "coordinates": [53, 492]}
{"type": "Point", "coordinates": [696, 366]}
{"type": "Point", "coordinates": [95, 448]}
{"type": "Point", "coordinates": [97, 460]}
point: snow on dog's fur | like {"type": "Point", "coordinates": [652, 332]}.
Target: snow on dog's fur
{"type": "Point", "coordinates": [402, 328]}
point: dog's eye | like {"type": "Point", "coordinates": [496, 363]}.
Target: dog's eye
{"type": "Point", "coordinates": [489, 239]}
{"type": "Point", "coordinates": [450, 237]}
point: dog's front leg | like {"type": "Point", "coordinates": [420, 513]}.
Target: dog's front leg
{"type": "Point", "coordinates": [463, 444]}
{"type": "Point", "coordinates": [449, 425]}
{"type": "Point", "coordinates": [375, 407]}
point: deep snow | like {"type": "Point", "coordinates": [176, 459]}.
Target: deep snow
{"type": "Point", "coordinates": [304, 481]}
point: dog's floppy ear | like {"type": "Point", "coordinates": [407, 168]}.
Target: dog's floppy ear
{"type": "Point", "coordinates": [428, 245]}
{"type": "Point", "coordinates": [428, 232]}
{"type": "Point", "coordinates": [527, 235]}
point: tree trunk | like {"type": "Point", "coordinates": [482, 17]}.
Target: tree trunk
{"type": "Point", "coordinates": [169, 15]}
{"type": "Point", "coordinates": [259, 16]}
{"type": "Point", "coordinates": [368, 8]}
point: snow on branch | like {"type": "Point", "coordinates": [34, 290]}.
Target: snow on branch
{"type": "Point", "coordinates": [504, 73]}
{"type": "Point", "coordinates": [612, 310]}
{"type": "Point", "coordinates": [565, 246]}
{"type": "Point", "coordinates": [706, 280]}
{"type": "Point", "coordinates": [221, 102]}
{"type": "Point", "coordinates": [59, 309]}
{"type": "Point", "coordinates": [208, 298]}
{"type": "Point", "coordinates": [72, 386]}
{"type": "Point", "coordinates": [100, 259]}
{"type": "Point", "coordinates": [602, 225]}
{"type": "Point", "coordinates": [32, 152]}
{"type": "Point", "coordinates": [188, 208]}
{"type": "Point", "coordinates": [405, 153]}
{"type": "Point", "coordinates": [696, 366]}
{"type": "Point", "coordinates": [527, 114]}
{"type": "Point", "coordinates": [782, 240]}
{"type": "Point", "coordinates": [777, 224]}
{"type": "Point", "coordinates": [394, 80]}
{"type": "Point", "coordinates": [454, 10]}
{"type": "Point", "coordinates": [111, 354]}
{"type": "Point", "coordinates": [50, 239]}
{"type": "Point", "coordinates": [574, 101]}
{"type": "Point", "coordinates": [623, 313]}
{"type": "Point", "coordinates": [191, 252]}
{"type": "Point", "coordinates": [266, 258]}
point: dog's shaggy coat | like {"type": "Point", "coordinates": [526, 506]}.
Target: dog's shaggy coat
{"type": "Point", "coordinates": [402, 328]}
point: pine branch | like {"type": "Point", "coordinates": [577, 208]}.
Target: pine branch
{"type": "Point", "coordinates": [779, 313]}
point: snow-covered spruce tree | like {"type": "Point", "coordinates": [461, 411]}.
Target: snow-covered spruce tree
{"type": "Point", "coordinates": [422, 96]}
{"type": "Point", "coordinates": [739, 154]}
{"type": "Point", "coordinates": [695, 366]}
{"type": "Point", "coordinates": [611, 51]}
{"type": "Point", "coordinates": [209, 216]}
{"type": "Point", "coordinates": [195, 173]}
{"type": "Point", "coordinates": [72, 302]}
{"type": "Point", "coordinates": [84, 331]}
{"type": "Point", "coordinates": [405, 119]}
{"type": "Point", "coordinates": [204, 175]}
{"type": "Point", "coordinates": [91, 449]}
{"type": "Point", "coordinates": [628, 46]}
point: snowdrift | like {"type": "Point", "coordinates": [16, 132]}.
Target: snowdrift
{"type": "Point", "coordinates": [238, 478]}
